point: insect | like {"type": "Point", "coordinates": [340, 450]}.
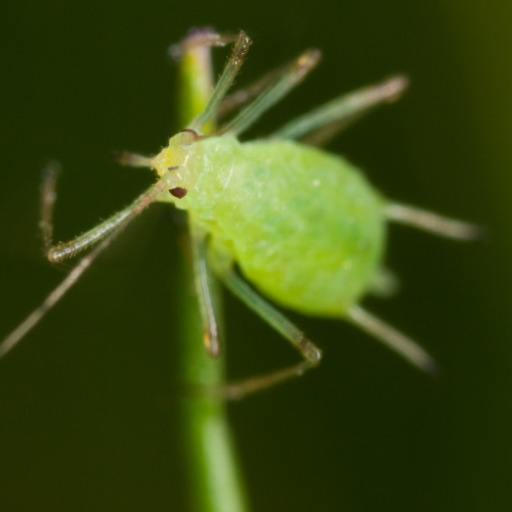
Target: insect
{"type": "Point", "coordinates": [277, 217]}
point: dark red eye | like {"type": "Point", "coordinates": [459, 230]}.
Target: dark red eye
{"type": "Point", "coordinates": [178, 192]}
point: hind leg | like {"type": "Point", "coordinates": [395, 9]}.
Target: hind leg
{"type": "Point", "coordinates": [432, 222]}
{"type": "Point", "coordinates": [393, 339]}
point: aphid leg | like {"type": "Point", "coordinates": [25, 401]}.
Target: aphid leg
{"type": "Point", "coordinates": [242, 96]}
{"type": "Point", "coordinates": [69, 249]}
{"type": "Point", "coordinates": [327, 120]}
{"type": "Point", "coordinates": [205, 295]}
{"type": "Point", "coordinates": [307, 349]}
{"type": "Point", "coordinates": [241, 47]}
{"type": "Point", "coordinates": [20, 332]}
{"type": "Point", "coordinates": [291, 77]}
{"type": "Point", "coordinates": [93, 236]}
{"type": "Point", "coordinates": [48, 196]}
{"type": "Point", "coordinates": [137, 206]}
{"type": "Point", "coordinates": [131, 159]}
{"type": "Point", "coordinates": [394, 339]}
{"type": "Point", "coordinates": [428, 221]}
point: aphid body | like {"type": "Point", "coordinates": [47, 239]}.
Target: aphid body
{"type": "Point", "coordinates": [305, 227]}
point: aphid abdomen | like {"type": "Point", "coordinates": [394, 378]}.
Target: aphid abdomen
{"type": "Point", "coordinates": [304, 226]}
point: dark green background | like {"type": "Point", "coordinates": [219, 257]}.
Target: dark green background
{"type": "Point", "coordinates": [88, 414]}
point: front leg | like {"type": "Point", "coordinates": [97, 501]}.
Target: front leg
{"type": "Point", "coordinates": [104, 233]}
{"type": "Point", "coordinates": [206, 294]}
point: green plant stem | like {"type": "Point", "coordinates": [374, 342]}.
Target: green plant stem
{"type": "Point", "coordinates": [215, 481]}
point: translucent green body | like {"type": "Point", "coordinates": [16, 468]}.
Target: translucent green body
{"type": "Point", "coordinates": [304, 226]}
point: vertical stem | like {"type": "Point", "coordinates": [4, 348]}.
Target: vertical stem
{"type": "Point", "coordinates": [215, 481]}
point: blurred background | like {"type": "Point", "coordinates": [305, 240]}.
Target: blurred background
{"type": "Point", "coordinates": [88, 402]}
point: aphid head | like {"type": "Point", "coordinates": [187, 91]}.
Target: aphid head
{"type": "Point", "coordinates": [179, 158]}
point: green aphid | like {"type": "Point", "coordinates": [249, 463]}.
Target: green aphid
{"type": "Point", "coordinates": [303, 226]}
